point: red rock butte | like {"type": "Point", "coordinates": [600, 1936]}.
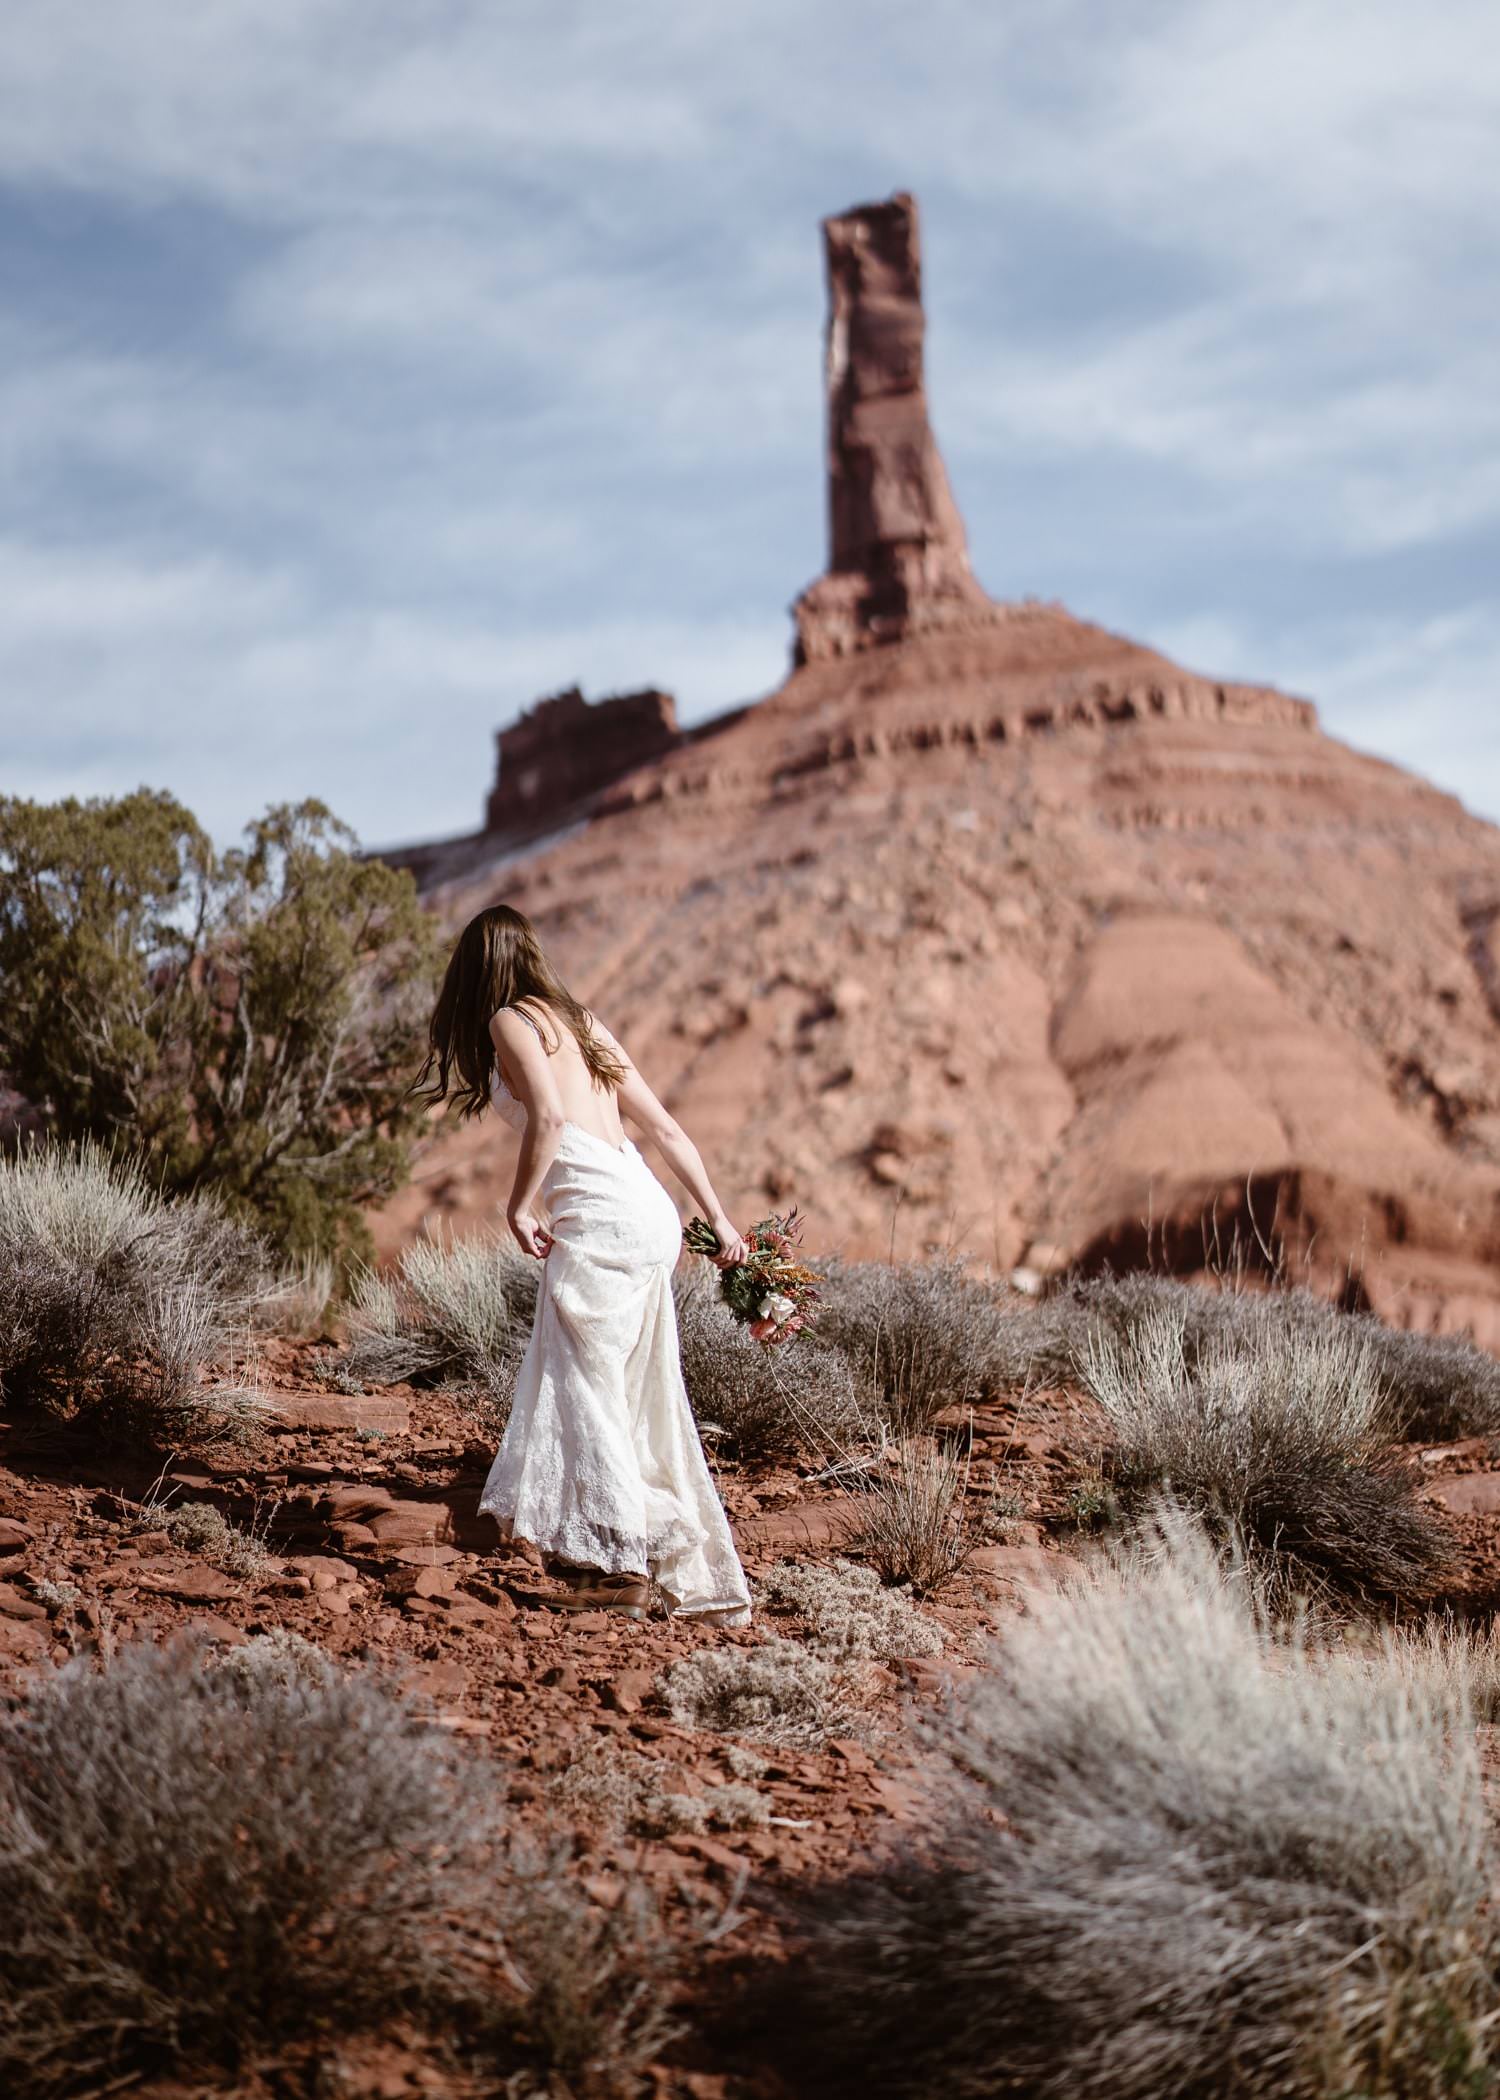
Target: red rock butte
{"type": "Point", "coordinates": [992, 930]}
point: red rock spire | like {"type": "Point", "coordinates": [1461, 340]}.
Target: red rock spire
{"type": "Point", "coordinates": [898, 561]}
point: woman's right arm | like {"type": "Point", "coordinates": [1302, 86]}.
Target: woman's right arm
{"type": "Point", "coordinates": [663, 1130]}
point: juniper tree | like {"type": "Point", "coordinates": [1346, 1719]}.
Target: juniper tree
{"type": "Point", "coordinates": [246, 1021]}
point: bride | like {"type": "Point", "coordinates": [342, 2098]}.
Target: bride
{"type": "Point", "coordinates": [600, 1465]}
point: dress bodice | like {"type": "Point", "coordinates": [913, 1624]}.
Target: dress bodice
{"type": "Point", "coordinates": [505, 1104]}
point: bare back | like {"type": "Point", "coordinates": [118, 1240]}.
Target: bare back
{"type": "Point", "coordinates": [579, 1100]}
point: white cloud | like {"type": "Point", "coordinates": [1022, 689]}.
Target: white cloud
{"type": "Point", "coordinates": [512, 373]}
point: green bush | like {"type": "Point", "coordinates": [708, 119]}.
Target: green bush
{"type": "Point", "coordinates": [245, 1021]}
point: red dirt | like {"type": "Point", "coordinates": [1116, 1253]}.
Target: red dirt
{"type": "Point", "coordinates": [381, 1559]}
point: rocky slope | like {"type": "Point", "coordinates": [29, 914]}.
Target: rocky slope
{"type": "Point", "coordinates": [995, 930]}
{"type": "Point", "coordinates": [365, 1507]}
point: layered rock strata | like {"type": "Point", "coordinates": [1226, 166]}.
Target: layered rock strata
{"type": "Point", "coordinates": [993, 930]}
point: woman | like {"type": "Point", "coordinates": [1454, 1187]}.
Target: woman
{"type": "Point", "coordinates": [600, 1465]}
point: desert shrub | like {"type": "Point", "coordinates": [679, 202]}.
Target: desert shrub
{"type": "Point", "coordinates": [922, 1336]}
{"type": "Point", "coordinates": [764, 1402]}
{"type": "Point", "coordinates": [1453, 1665]}
{"type": "Point", "coordinates": [281, 1657]}
{"type": "Point", "coordinates": [115, 1303]}
{"type": "Point", "coordinates": [296, 1302]}
{"type": "Point", "coordinates": [777, 1689]}
{"type": "Point", "coordinates": [1178, 1854]}
{"type": "Point", "coordinates": [175, 1841]}
{"type": "Point", "coordinates": [1441, 1386]}
{"type": "Point", "coordinates": [590, 1994]}
{"type": "Point", "coordinates": [1437, 1386]}
{"type": "Point", "coordinates": [201, 1528]}
{"type": "Point", "coordinates": [1277, 1436]}
{"type": "Point", "coordinates": [849, 1613]}
{"type": "Point", "coordinates": [197, 1863]}
{"type": "Point", "coordinates": [625, 1790]}
{"type": "Point", "coordinates": [455, 1314]}
{"type": "Point", "coordinates": [909, 1516]}
{"type": "Point", "coordinates": [247, 1021]}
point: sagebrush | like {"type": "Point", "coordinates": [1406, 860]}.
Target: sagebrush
{"type": "Point", "coordinates": [849, 1613]}
{"type": "Point", "coordinates": [451, 1313]}
{"type": "Point", "coordinates": [1181, 1853]}
{"type": "Point", "coordinates": [120, 1308]}
{"type": "Point", "coordinates": [1437, 1386]}
{"type": "Point", "coordinates": [763, 1402]}
{"type": "Point", "coordinates": [921, 1336]}
{"type": "Point", "coordinates": [776, 1689]}
{"type": "Point", "coordinates": [1276, 1434]}
{"type": "Point", "coordinates": [202, 1864]}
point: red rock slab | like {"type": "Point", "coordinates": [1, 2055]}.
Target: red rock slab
{"type": "Point", "coordinates": [194, 1584]}
{"type": "Point", "coordinates": [15, 1537]}
{"type": "Point", "coordinates": [1469, 1494]}
{"type": "Point", "coordinates": [804, 1528]}
{"type": "Point", "coordinates": [411, 1524]}
{"type": "Point", "coordinates": [1467, 1447]}
{"type": "Point", "coordinates": [1027, 1565]}
{"type": "Point", "coordinates": [346, 1411]}
{"type": "Point", "coordinates": [15, 1604]}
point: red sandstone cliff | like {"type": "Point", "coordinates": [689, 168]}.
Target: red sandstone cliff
{"type": "Point", "coordinates": [991, 928]}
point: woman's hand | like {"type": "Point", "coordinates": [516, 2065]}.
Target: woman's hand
{"type": "Point", "coordinates": [732, 1248]}
{"type": "Point", "coordinates": [532, 1236]}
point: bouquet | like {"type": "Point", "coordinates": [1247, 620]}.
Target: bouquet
{"type": "Point", "coordinates": [773, 1291]}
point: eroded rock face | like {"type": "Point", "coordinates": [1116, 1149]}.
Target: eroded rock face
{"type": "Point", "coordinates": [565, 748]}
{"type": "Point", "coordinates": [994, 930]}
{"type": "Point", "coordinates": [898, 561]}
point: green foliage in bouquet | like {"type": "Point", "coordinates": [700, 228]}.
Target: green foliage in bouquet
{"type": "Point", "coordinates": [772, 1291]}
{"type": "Point", "coordinates": [244, 1022]}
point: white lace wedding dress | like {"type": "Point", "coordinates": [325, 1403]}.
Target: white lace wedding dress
{"type": "Point", "coordinates": [600, 1465]}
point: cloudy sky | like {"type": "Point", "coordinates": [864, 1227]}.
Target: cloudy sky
{"type": "Point", "coordinates": [370, 367]}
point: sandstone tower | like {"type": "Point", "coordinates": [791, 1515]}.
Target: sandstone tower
{"type": "Point", "coordinates": [898, 561]}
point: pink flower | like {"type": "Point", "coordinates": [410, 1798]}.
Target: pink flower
{"type": "Point", "coordinates": [760, 1329]}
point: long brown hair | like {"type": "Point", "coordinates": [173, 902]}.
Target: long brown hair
{"type": "Point", "coordinates": [497, 961]}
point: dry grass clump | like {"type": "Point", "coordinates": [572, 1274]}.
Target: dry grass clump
{"type": "Point", "coordinates": [1442, 1387]}
{"type": "Point", "coordinates": [776, 1690]}
{"type": "Point", "coordinates": [922, 1336]}
{"type": "Point", "coordinates": [115, 1304]}
{"type": "Point", "coordinates": [1459, 1665]}
{"type": "Point", "coordinates": [849, 1614]}
{"type": "Point", "coordinates": [456, 1314]}
{"type": "Point", "coordinates": [296, 1303]}
{"type": "Point", "coordinates": [588, 2003]}
{"type": "Point", "coordinates": [764, 1402]}
{"type": "Point", "coordinates": [1439, 1386]}
{"type": "Point", "coordinates": [1277, 1435]}
{"type": "Point", "coordinates": [627, 1791]}
{"type": "Point", "coordinates": [1180, 1855]}
{"type": "Point", "coordinates": [200, 1528]}
{"type": "Point", "coordinates": [909, 1520]}
{"type": "Point", "coordinates": [198, 1864]}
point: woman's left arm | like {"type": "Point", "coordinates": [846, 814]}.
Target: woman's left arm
{"type": "Point", "coordinates": [529, 1073]}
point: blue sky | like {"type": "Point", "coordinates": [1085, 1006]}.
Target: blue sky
{"type": "Point", "coordinates": [368, 369]}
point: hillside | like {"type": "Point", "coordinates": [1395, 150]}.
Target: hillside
{"type": "Point", "coordinates": [994, 930]}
